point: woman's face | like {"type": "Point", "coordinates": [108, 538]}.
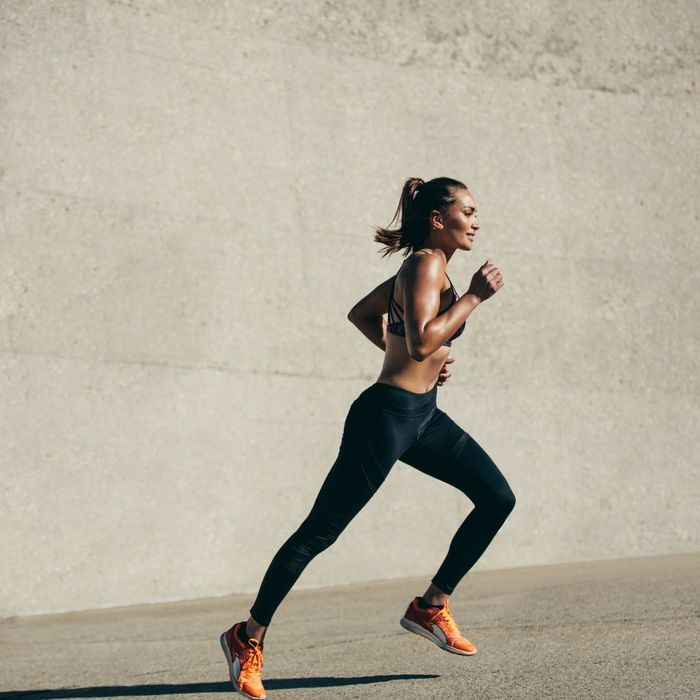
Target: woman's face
{"type": "Point", "coordinates": [459, 222]}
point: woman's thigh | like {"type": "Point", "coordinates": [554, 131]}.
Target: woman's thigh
{"type": "Point", "coordinates": [448, 453]}
{"type": "Point", "coordinates": [374, 436]}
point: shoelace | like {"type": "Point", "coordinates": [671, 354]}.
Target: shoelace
{"type": "Point", "coordinates": [445, 616]}
{"type": "Point", "coordinates": [252, 659]}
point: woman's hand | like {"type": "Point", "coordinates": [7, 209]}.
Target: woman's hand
{"type": "Point", "coordinates": [487, 280]}
{"type": "Point", "coordinates": [444, 372]}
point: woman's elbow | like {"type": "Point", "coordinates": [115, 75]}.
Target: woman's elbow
{"type": "Point", "coordinates": [416, 351]}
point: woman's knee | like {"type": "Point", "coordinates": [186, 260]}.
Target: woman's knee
{"type": "Point", "coordinates": [507, 499]}
{"type": "Point", "coordinates": [316, 534]}
{"type": "Point", "coordinates": [499, 502]}
{"type": "Point", "coordinates": [504, 501]}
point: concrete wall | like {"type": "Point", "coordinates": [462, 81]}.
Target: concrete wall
{"type": "Point", "coordinates": [188, 190]}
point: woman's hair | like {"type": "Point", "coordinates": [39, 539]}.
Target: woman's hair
{"type": "Point", "coordinates": [418, 199]}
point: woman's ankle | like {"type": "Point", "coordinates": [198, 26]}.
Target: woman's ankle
{"type": "Point", "coordinates": [434, 596]}
{"type": "Point", "coordinates": [255, 629]}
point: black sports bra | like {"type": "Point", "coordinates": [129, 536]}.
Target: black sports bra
{"type": "Point", "coordinates": [395, 324]}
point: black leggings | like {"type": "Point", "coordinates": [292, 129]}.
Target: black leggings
{"type": "Point", "coordinates": [386, 423]}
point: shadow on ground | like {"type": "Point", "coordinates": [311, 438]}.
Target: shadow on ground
{"type": "Point", "coordinates": [114, 691]}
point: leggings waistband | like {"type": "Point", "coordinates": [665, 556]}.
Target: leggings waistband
{"type": "Point", "coordinates": [390, 396]}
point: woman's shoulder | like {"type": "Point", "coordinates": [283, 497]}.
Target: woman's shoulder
{"type": "Point", "coordinates": [425, 261]}
{"type": "Point", "coordinates": [422, 253]}
{"type": "Point", "coordinates": [422, 266]}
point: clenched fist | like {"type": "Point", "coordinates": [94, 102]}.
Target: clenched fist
{"type": "Point", "coordinates": [486, 282]}
{"type": "Point", "coordinates": [444, 372]}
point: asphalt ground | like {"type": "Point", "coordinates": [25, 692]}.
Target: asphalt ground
{"type": "Point", "coordinates": [618, 629]}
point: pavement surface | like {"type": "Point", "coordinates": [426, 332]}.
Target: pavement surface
{"type": "Point", "coordinates": [617, 629]}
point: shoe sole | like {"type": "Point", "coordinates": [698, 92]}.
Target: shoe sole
{"type": "Point", "coordinates": [232, 672]}
{"type": "Point", "coordinates": [418, 629]}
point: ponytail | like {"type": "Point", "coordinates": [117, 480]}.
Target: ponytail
{"type": "Point", "coordinates": [418, 199]}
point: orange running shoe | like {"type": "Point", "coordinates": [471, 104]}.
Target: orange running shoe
{"type": "Point", "coordinates": [438, 626]}
{"type": "Point", "coordinates": [245, 662]}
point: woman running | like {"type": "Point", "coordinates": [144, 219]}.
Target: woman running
{"type": "Point", "coordinates": [397, 418]}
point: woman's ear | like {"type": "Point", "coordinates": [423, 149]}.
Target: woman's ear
{"type": "Point", "coordinates": [435, 219]}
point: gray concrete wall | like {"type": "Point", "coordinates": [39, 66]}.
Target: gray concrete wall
{"type": "Point", "coordinates": [187, 192]}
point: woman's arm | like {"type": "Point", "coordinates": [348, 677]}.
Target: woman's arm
{"type": "Point", "coordinates": [374, 327]}
{"type": "Point", "coordinates": [368, 313]}
{"type": "Point", "coordinates": [425, 330]}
